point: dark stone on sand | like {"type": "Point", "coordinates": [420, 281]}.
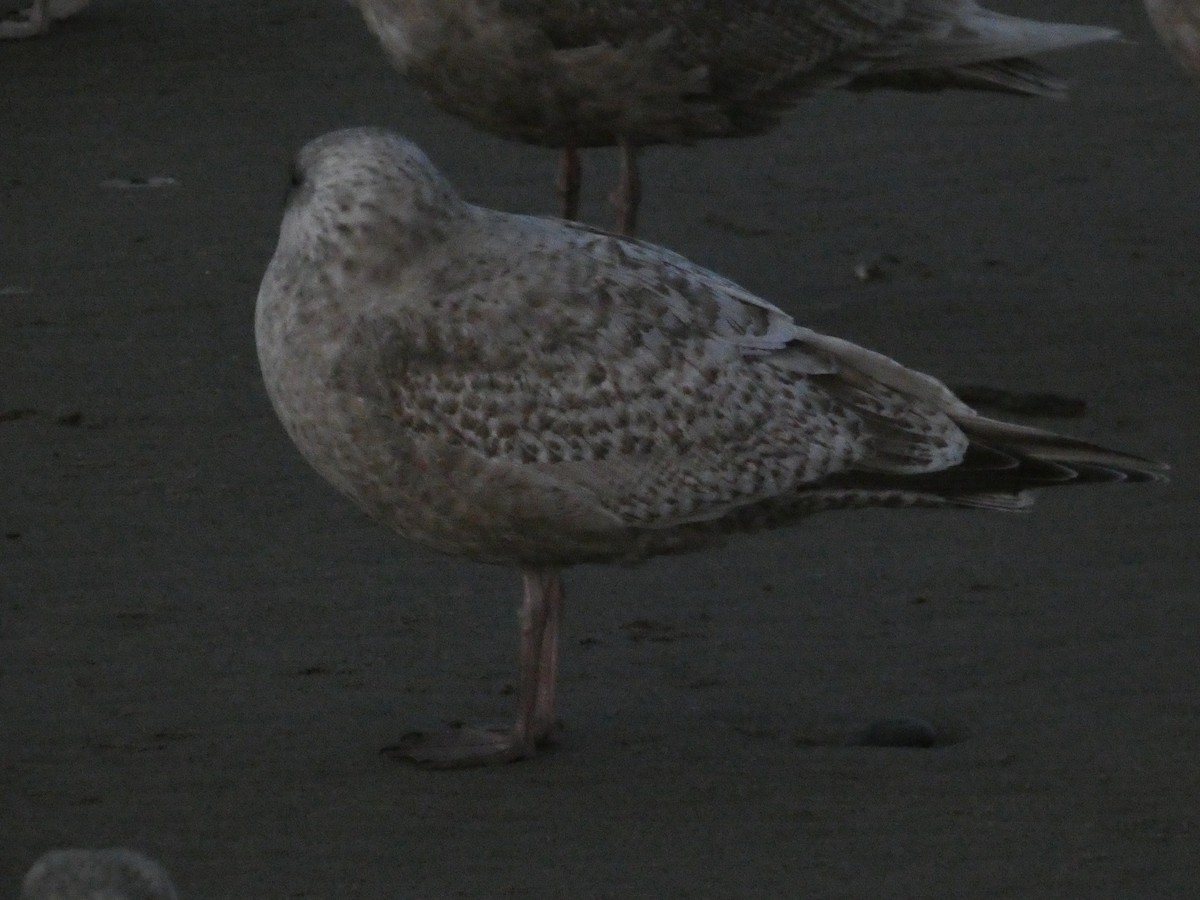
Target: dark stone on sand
{"type": "Point", "coordinates": [901, 732]}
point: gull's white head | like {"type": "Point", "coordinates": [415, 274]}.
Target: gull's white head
{"type": "Point", "coordinates": [366, 194]}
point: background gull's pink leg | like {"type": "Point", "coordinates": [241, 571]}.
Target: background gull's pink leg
{"type": "Point", "coordinates": [570, 176]}
{"type": "Point", "coordinates": [628, 195]}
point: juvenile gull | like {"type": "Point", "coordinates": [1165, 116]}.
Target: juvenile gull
{"type": "Point", "coordinates": [631, 73]}
{"type": "Point", "coordinates": [1178, 25]}
{"type": "Point", "coordinates": [536, 393]}
{"type": "Point", "coordinates": [112, 874]}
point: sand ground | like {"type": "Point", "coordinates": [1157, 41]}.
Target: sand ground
{"type": "Point", "coordinates": [202, 647]}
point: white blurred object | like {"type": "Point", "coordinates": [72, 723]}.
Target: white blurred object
{"type": "Point", "coordinates": [36, 18]}
{"type": "Point", "coordinates": [112, 874]}
{"type": "Point", "coordinates": [1178, 24]}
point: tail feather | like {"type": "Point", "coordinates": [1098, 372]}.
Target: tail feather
{"type": "Point", "coordinates": [1086, 461]}
{"type": "Point", "coordinates": [1007, 36]}
{"type": "Point", "coordinates": [987, 51]}
{"type": "Point", "coordinates": [989, 36]}
{"type": "Point", "coordinates": [1002, 460]}
{"type": "Point", "coordinates": [1002, 463]}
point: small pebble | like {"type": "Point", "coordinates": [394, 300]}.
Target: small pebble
{"type": "Point", "coordinates": [868, 270]}
{"type": "Point", "coordinates": [904, 732]}
{"type": "Point", "coordinates": [140, 183]}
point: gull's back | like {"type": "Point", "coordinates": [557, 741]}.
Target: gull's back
{"type": "Point", "coordinates": [589, 73]}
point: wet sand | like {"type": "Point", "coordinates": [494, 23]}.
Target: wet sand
{"type": "Point", "coordinates": [203, 648]}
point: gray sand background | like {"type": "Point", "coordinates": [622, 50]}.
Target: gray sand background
{"type": "Point", "coordinates": [202, 647]}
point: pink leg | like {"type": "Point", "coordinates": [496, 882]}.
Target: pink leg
{"type": "Point", "coordinates": [540, 616]}
{"type": "Point", "coordinates": [458, 747]}
{"type": "Point", "coordinates": [570, 176]}
{"type": "Point", "coordinates": [628, 195]}
{"type": "Point", "coordinates": [544, 723]}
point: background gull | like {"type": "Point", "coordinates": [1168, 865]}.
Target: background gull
{"type": "Point", "coordinates": [631, 73]}
{"type": "Point", "coordinates": [112, 874]}
{"type": "Point", "coordinates": [1178, 24]}
{"type": "Point", "coordinates": [534, 393]}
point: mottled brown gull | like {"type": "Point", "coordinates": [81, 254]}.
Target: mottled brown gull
{"type": "Point", "coordinates": [82, 874]}
{"type": "Point", "coordinates": [632, 73]}
{"type": "Point", "coordinates": [536, 393]}
{"type": "Point", "coordinates": [1178, 25]}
